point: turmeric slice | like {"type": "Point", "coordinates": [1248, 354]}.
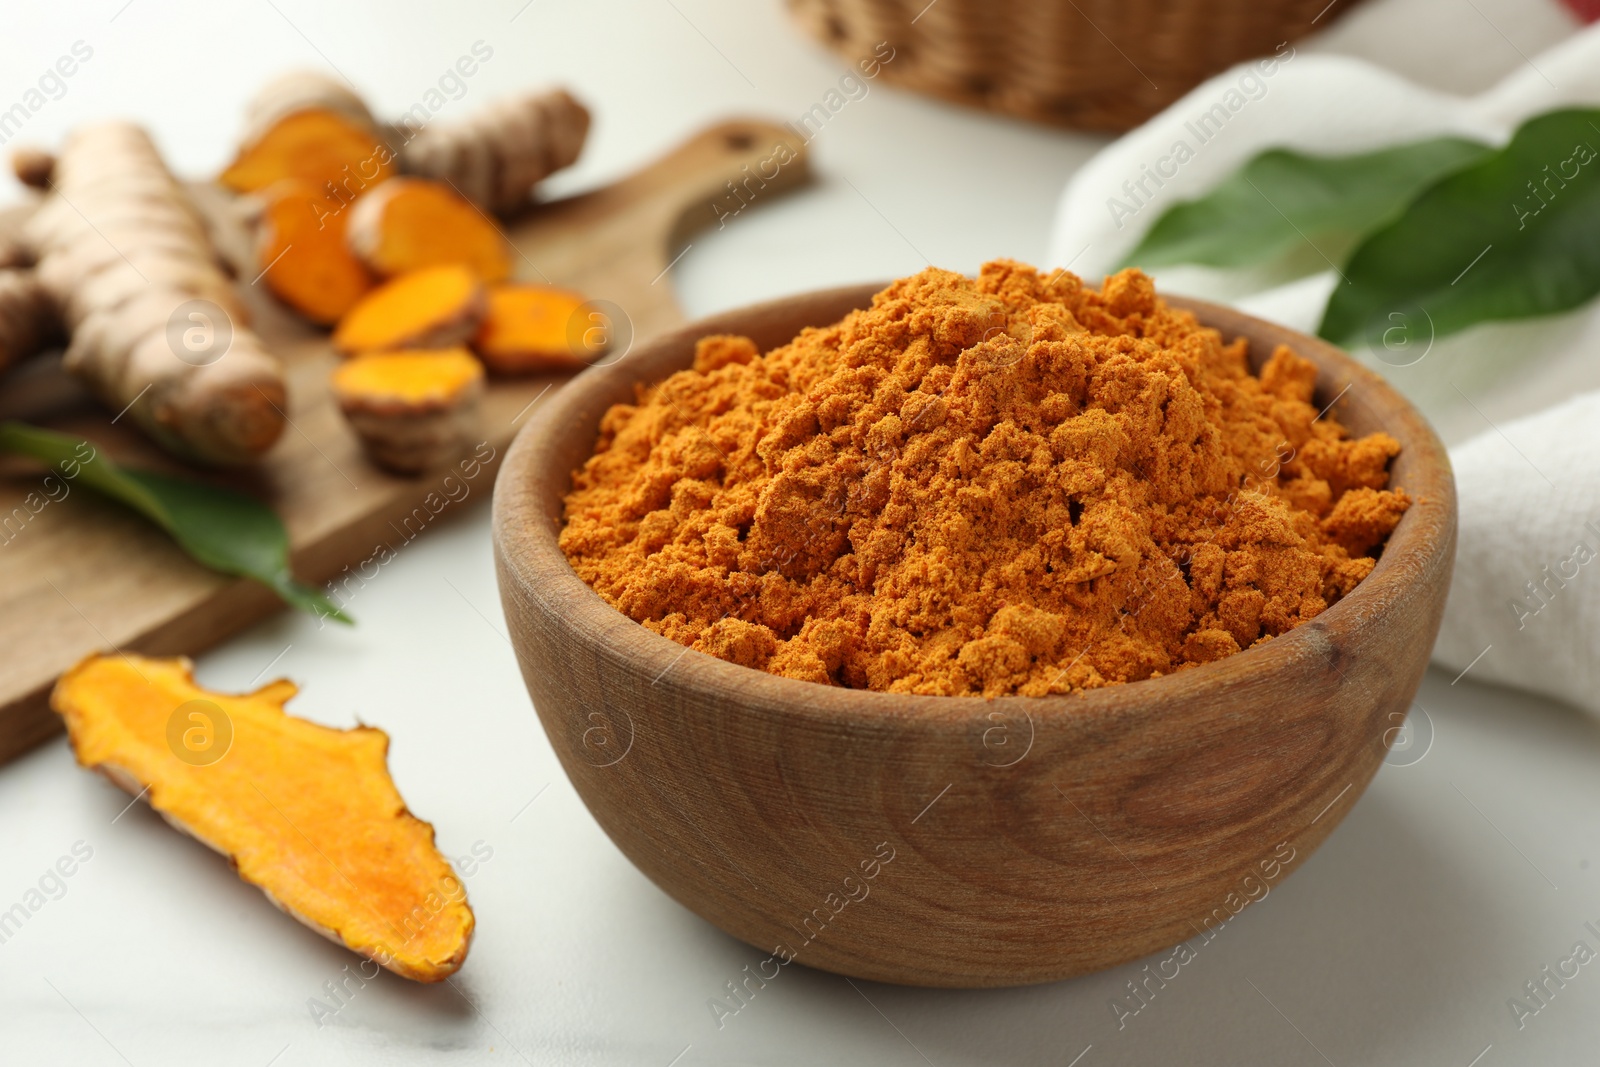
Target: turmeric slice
{"type": "Point", "coordinates": [530, 328]}
{"type": "Point", "coordinates": [317, 145]}
{"type": "Point", "coordinates": [300, 241]}
{"type": "Point", "coordinates": [306, 813]}
{"type": "Point", "coordinates": [412, 410]}
{"type": "Point", "coordinates": [432, 308]}
{"type": "Point", "coordinates": [409, 223]}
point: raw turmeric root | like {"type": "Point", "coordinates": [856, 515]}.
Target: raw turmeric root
{"type": "Point", "coordinates": [300, 244]}
{"type": "Point", "coordinates": [409, 223]}
{"type": "Point", "coordinates": [495, 157]}
{"type": "Point", "coordinates": [303, 90]}
{"type": "Point", "coordinates": [15, 254]}
{"type": "Point", "coordinates": [28, 321]}
{"type": "Point", "coordinates": [158, 331]}
{"type": "Point", "coordinates": [530, 329]}
{"type": "Point", "coordinates": [321, 144]}
{"type": "Point", "coordinates": [33, 167]}
{"type": "Point", "coordinates": [305, 812]}
{"type": "Point", "coordinates": [432, 308]}
{"type": "Point", "coordinates": [412, 410]}
{"type": "Point", "coordinates": [308, 125]}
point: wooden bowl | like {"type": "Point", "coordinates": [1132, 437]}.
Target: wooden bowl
{"type": "Point", "coordinates": [957, 841]}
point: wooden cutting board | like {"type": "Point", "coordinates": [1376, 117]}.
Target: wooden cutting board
{"type": "Point", "coordinates": [79, 574]}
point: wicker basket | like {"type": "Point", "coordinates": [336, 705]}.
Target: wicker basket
{"type": "Point", "coordinates": [1087, 64]}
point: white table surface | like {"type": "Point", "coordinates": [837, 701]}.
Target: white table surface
{"type": "Point", "coordinates": [1457, 877]}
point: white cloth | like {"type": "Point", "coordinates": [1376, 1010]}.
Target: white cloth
{"type": "Point", "coordinates": [1524, 605]}
{"type": "Point", "coordinates": [1529, 477]}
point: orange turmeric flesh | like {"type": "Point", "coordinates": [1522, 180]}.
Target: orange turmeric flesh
{"type": "Point", "coordinates": [314, 145]}
{"type": "Point", "coordinates": [301, 247]}
{"type": "Point", "coordinates": [412, 409]}
{"type": "Point", "coordinates": [530, 329]}
{"type": "Point", "coordinates": [409, 223]}
{"type": "Point", "coordinates": [305, 812]}
{"type": "Point", "coordinates": [412, 380]}
{"type": "Point", "coordinates": [431, 308]}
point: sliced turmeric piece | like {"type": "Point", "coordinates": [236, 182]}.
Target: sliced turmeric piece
{"type": "Point", "coordinates": [414, 409]}
{"type": "Point", "coordinates": [300, 241]}
{"type": "Point", "coordinates": [431, 308]}
{"type": "Point", "coordinates": [317, 145]}
{"type": "Point", "coordinates": [305, 812]}
{"type": "Point", "coordinates": [408, 223]}
{"type": "Point", "coordinates": [530, 328]}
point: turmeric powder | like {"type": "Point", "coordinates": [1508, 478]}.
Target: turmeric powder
{"type": "Point", "coordinates": [1007, 484]}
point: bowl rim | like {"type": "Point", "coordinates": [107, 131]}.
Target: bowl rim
{"type": "Point", "coordinates": [1425, 533]}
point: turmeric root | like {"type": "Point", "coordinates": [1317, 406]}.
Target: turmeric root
{"type": "Point", "coordinates": [409, 223]}
{"type": "Point", "coordinates": [32, 166]}
{"type": "Point", "coordinates": [91, 283]}
{"type": "Point", "coordinates": [28, 321]}
{"type": "Point", "coordinates": [529, 329]}
{"type": "Point", "coordinates": [320, 145]}
{"type": "Point", "coordinates": [495, 157]}
{"type": "Point", "coordinates": [432, 308]}
{"type": "Point", "coordinates": [303, 90]}
{"type": "Point", "coordinates": [15, 254]}
{"type": "Point", "coordinates": [412, 409]}
{"type": "Point", "coordinates": [306, 813]}
{"type": "Point", "coordinates": [301, 245]}
{"type": "Point", "coordinates": [158, 331]}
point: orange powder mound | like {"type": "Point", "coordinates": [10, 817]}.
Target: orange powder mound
{"type": "Point", "coordinates": [1008, 484]}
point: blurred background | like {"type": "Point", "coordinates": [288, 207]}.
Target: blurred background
{"type": "Point", "coordinates": [902, 181]}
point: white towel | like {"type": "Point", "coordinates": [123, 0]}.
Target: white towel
{"type": "Point", "coordinates": [1524, 607]}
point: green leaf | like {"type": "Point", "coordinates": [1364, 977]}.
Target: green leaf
{"type": "Point", "coordinates": [226, 531]}
{"type": "Point", "coordinates": [1281, 200]}
{"type": "Point", "coordinates": [1515, 235]}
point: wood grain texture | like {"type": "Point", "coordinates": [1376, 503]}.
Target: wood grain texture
{"type": "Point", "coordinates": [82, 574]}
{"type": "Point", "coordinates": [1032, 838]}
